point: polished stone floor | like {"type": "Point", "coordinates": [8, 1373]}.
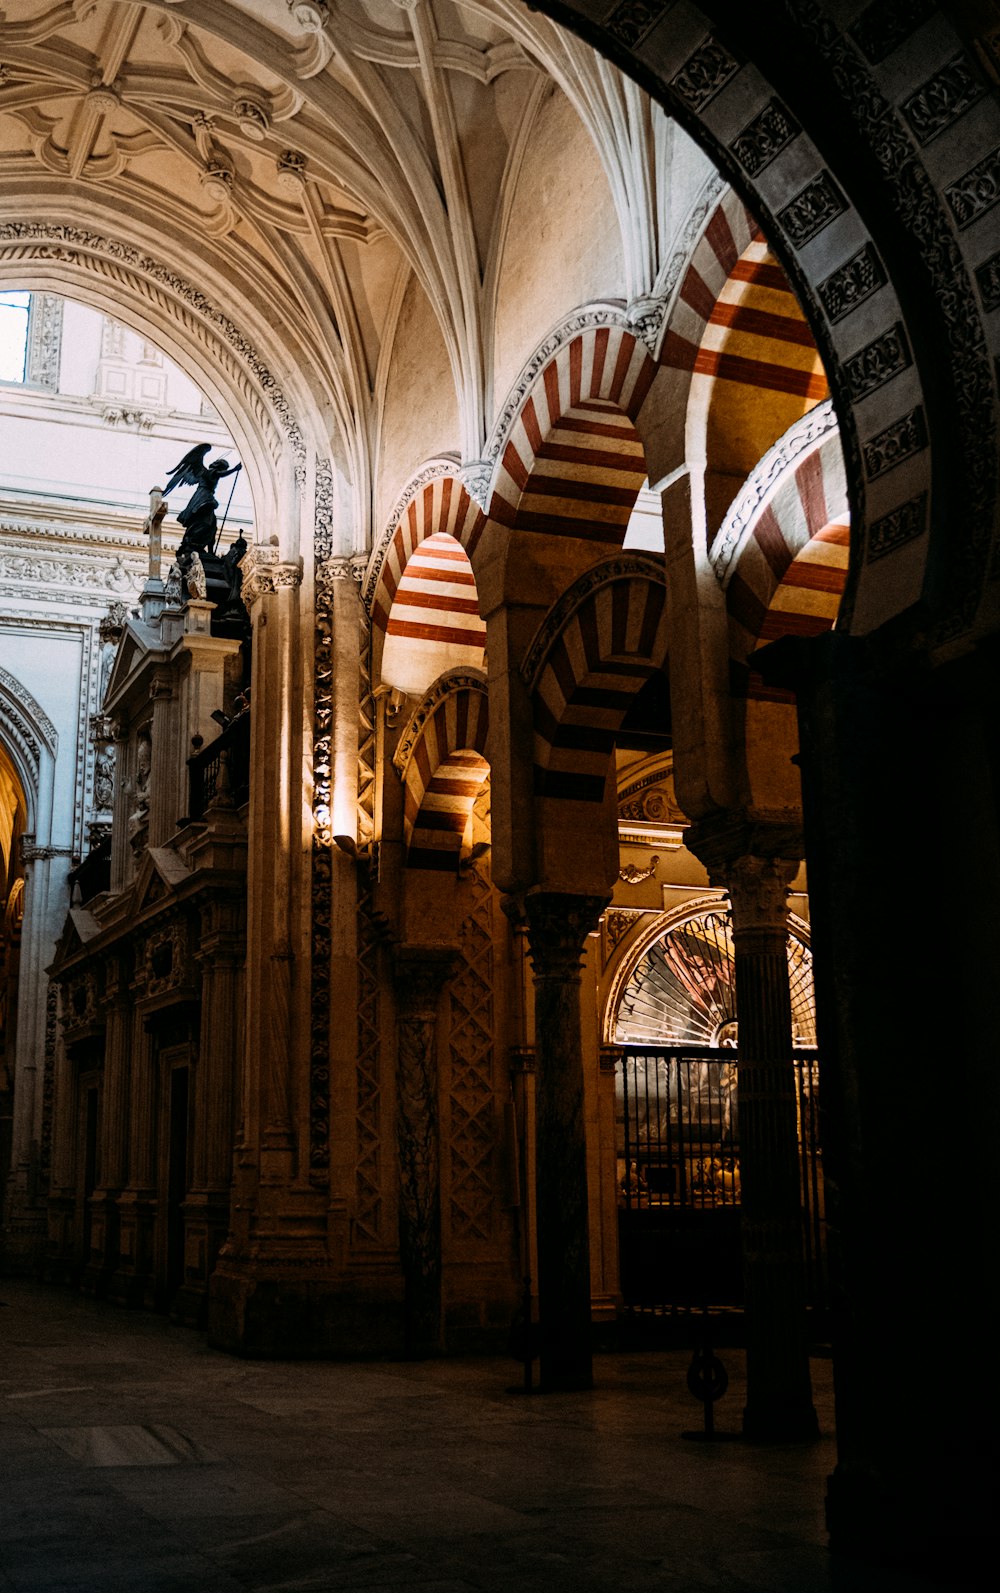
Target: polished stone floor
{"type": "Point", "coordinates": [133, 1459]}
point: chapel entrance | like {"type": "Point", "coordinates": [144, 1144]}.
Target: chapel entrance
{"type": "Point", "coordinates": [677, 1121]}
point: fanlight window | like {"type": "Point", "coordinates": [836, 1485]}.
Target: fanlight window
{"type": "Point", "coordinates": [683, 990]}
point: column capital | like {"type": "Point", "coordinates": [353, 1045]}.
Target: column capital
{"type": "Point", "coordinates": [265, 572]}
{"type": "Point", "coordinates": [722, 838]}
{"type": "Point", "coordinates": [558, 924]}
{"type": "Point", "coordinates": [758, 891]}
{"type": "Point", "coordinates": [421, 972]}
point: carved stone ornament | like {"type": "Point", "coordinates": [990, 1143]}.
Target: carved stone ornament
{"type": "Point", "coordinates": [108, 258]}
{"type": "Point", "coordinates": [647, 317]}
{"type": "Point", "coordinates": [800, 440]}
{"type": "Point", "coordinates": [558, 925]}
{"type": "Point", "coordinates": [113, 623]}
{"type": "Point", "coordinates": [264, 572]}
{"type": "Point", "coordinates": [36, 716]}
{"type": "Point", "coordinates": [291, 173]}
{"type": "Point", "coordinates": [758, 890]}
{"type": "Point", "coordinates": [446, 685]}
{"type": "Point", "coordinates": [311, 15]}
{"type": "Point", "coordinates": [475, 478]}
{"type": "Point", "coordinates": [619, 922]}
{"type": "Point", "coordinates": [252, 119]}
{"type": "Point", "coordinates": [434, 470]}
{"type": "Point", "coordinates": [631, 875]}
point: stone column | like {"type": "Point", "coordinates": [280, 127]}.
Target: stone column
{"type": "Point", "coordinates": [779, 1397]}
{"type": "Point", "coordinates": [558, 925]}
{"type": "Point", "coordinates": [421, 972]}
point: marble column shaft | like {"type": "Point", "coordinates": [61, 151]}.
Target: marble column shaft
{"type": "Point", "coordinates": [779, 1397]}
{"type": "Point", "coordinates": [558, 925]}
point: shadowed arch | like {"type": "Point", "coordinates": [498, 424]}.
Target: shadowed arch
{"type": "Point", "coordinates": [590, 658]}
{"type": "Point", "coordinates": [441, 759]}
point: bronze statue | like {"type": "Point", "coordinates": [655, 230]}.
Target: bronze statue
{"type": "Point", "coordinates": [198, 515]}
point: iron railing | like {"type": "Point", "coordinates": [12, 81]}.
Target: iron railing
{"type": "Point", "coordinates": [679, 1176]}
{"type": "Point", "coordinates": [232, 749]}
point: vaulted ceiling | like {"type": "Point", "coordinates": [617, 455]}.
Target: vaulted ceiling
{"type": "Point", "coordinates": [319, 151]}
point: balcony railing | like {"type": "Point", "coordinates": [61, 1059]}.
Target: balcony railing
{"type": "Point", "coordinates": [92, 875]}
{"type": "Point", "coordinates": [230, 751]}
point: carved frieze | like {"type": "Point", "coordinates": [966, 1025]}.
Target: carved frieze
{"type": "Point", "coordinates": [897, 527]}
{"type": "Point", "coordinates": [703, 74]}
{"type": "Point", "coordinates": [813, 208]}
{"type": "Point", "coordinates": [264, 572]}
{"type": "Point", "coordinates": [853, 282]}
{"type": "Point", "coordinates": [771, 130]}
{"type": "Point", "coordinates": [878, 362]}
{"type": "Point", "coordinates": [885, 24]}
{"type": "Point", "coordinates": [631, 20]}
{"type": "Point", "coordinates": [897, 442]}
{"type": "Point", "coordinates": [942, 99]}
{"type": "Point", "coordinates": [975, 193]}
{"type": "Point", "coordinates": [988, 278]}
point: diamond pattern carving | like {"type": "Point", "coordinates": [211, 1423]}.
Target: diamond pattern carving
{"type": "Point", "coordinates": [470, 1042]}
{"type": "Point", "coordinates": [368, 1175]}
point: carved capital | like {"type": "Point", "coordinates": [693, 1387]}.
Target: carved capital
{"type": "Point", "coordinates": [475, 478]}
{"type": "Point", "coordinates": [645, 317]}
{"type": "Point", "coordinates": [264, 572]}
{"type": "Point", "coordinates": [758, 890]}
{"type": "Point", "coordinates": [421, 972]}
{"type": "Point", "coordinates": [558, 925]}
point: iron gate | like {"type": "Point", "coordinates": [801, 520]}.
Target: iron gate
{"type": "Point", "coordinates": [679, 1177]}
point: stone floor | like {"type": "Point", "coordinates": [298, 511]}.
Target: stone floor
{"type": "Point", "coordinates": [133, 1459]}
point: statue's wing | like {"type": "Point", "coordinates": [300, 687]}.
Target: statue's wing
{"type": "Point", "coordinates": [190, 470]}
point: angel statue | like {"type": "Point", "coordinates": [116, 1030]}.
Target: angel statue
{"type": "Point", "coordinates": [198, 515]}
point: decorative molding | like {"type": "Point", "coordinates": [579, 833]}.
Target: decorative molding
{"type": "Point", "coordinates": [36, 722]}
{"type": "Point", "coordinates": [803, 437]}
{"type": "Point", "coordinates": [581, 320]}
{"type": "Point", "coordinates": [44, 341]}
{"type": "Point", "coordinates": [885, 25]}
{"type": "Point", "coordinates": [434, 470]}
{"type": "Point", "coordinates": [878, 362]}
{"type": "Point", "coordinates": [475, 477]}
{"type": "Point", "coordinates": [321, 876]}
{"type": "Point", "coordinates": [265, 572]}
{"type": "Point", "coordinates": [28, 241]}
{"type": "Point", "coordinates": [618, 923]}
{"type": "Point", "coordinates": [631, 875]}
{"type": "Point", "coordinates": [975, 193]}
{"type": "Point", "coordinates": [895, 529]}
{"type": "Point", "coordinates": [646, 317]}
{"type": "Point", "coordinates": [446, 685]}
{"type": "Point", "coordinates": [853, 282]}
{"type": "Point", "coordinates": [988, 279]}
{"type": "Point", "coordinates": [904, 438]}
{"type": "Point", "coordinates": [942, 99]}
{"type": "Point", "coordinates": [771, 130]}
{"type": "Point", "coordinates": [921, 210]}
{"type": "Point", "coordinates": [669, 279]}
{"type": "Point", "coordinates": [621, 567]}
{"type": "Point", "coordinates": [631, 20]}
{"type": "Point", "coordinates": [812, 209]}
{"type": "Point", "coordinates": [703, 74]}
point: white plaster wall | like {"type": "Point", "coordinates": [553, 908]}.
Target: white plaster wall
{"type": "Point", "coordinates": [563, 244]}
{"type": "Point", "coordinates": [420, 412]}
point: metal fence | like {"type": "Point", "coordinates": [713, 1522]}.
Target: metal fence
{"type": "Point", "coordinates": [679, 1177]}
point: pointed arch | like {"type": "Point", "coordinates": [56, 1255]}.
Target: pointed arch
{"type": "Point", "coordinates": [441, 759]}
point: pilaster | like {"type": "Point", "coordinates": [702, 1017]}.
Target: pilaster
{"type": "Point", "coordinates": [558, 925]}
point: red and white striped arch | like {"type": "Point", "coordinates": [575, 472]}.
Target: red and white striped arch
{"type": "Point", "coordinates": [441, 758]}
{"type": "Point", "coordinates": [589, 660]}
{"type": "Point", "coordinates": [440, 505]}
{"type": "Point", "coordinates": [729, 232]}
{"type": "Point", "coordinates": [433, 624]}
{"type": "Point", "coordinates": [787, 575]}
{"type": "Point", "coordinates": [573, 462]}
